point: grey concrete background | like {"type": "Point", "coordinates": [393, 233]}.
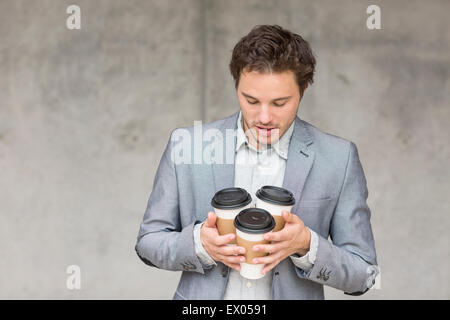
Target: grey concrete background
{"type": "Point", "coordinates": [85, 115]}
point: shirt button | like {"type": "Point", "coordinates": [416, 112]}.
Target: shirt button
{"type": "Point", "coordinates": [249, 284]}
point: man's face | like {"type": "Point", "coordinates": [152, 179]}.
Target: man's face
{"type": "Point", "coordinates": [269, 103]}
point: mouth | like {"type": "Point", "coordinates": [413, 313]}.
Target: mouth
{"type": "Point", "coordinates": [265, 131]}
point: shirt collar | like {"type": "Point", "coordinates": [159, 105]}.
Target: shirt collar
{"type": "Point", "coordinates": [281, 147]}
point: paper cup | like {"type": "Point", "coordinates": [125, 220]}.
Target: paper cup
{"type": "Point", "coordinates": [275, 200]}
{"type": "Point", "coordinates": [227, 203]}
{"type": "Point", "coordinates": [251, 225]}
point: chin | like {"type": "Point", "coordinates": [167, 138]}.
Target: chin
{"type": "Point", "coordinates": [266, 141]}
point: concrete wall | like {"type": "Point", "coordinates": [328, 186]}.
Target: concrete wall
{"type": "Point", "coordinates": [85, 115]}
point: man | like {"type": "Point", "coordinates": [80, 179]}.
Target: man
{"type": "Point", "coordinates": [272, 68]}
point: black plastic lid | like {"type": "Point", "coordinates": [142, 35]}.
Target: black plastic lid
{"type": "Point", "coordinates": [231, 198]}
{"type": "Point", "coordinates": [276, 195]}
{"type": "Point", "coordinates": [254, 220]}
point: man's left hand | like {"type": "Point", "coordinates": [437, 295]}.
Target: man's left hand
{"type": "Point", "coordinates": [293, 238]}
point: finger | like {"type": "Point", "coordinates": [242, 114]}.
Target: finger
{"type": "Point", "coordinates": [231, 250]}
{"type": "Point", "coordinates": [267, 259]}
{"type": "Point", "coordinates": [231, 261]}
{"type": "Point", "coordinates": [287, 216]}
{"type": "Point", "coordinates": [269, 267]}
{"type": "Point", "coordinates": [233, 266]}
{"type": "Point", "coordinates": [211, 220]}
{"type": "Point", "coordinates": [281, 235]}
{"type": "Point", "coordinates": [223, 240]}
{"type": "Point", "coordinates": [270, 248]}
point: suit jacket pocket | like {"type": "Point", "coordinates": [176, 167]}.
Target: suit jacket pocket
{"type": "Point", "coordinates": [314, 203]}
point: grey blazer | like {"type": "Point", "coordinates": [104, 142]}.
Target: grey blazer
{"type": "Point", "coordinates": [326, 177]}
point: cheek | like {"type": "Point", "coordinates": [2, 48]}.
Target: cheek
{"type": "Point", "coordinates": [284, 115]}
{"type": "Point", "coordinates": [248, 111]}
{"type": "Point", "coordinates": [290, 113]}
{"type": "Point", "coordinates": [245, 106]}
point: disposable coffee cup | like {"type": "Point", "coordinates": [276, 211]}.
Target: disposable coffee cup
{"type": "Point", "coordinates": [275, 200]}
{"type": "Point", "coordinates": [251, 224]}
{"type": "Point", "coordinates": [227, 203]}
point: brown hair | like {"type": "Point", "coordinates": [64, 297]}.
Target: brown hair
{"type": "Point", "coordinates": [270, 48]}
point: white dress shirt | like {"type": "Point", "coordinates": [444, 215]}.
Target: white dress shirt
{"type": "Point", "coordinates": [254, 169]}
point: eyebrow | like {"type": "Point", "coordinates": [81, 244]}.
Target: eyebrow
{"type": "Point", "coordinates": [249, 96]}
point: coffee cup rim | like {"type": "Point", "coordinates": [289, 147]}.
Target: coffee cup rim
{"type": "Point", "coordinates": [244, 229]}
{"type": "Point", "coordinates": [260, 195]}
{"type": "Point", "coordinates": [217, 205]}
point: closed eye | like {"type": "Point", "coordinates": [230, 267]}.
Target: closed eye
{"type": "Point", "coordinates": [275, 104]}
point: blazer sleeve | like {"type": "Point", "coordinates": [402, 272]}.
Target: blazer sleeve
{"type": "Point", "coordinates": [162, 241]}
{"type": "Point", "coordinates": [349, 261]}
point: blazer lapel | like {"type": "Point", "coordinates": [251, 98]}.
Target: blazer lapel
{"type": "Point", "coordinates": [299, 162]}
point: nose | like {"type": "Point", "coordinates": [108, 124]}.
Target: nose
{"type": "Point", "coordinates": [265, 116]}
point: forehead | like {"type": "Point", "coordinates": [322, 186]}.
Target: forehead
{"type": "Point", "coordinates": [268, 84]}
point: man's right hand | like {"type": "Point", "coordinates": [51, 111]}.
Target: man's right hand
{"type": "Point", "coordinates": [216, 245]}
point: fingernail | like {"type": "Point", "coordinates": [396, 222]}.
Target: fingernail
{"type": "Point", "coordinates": [255, 261]}
{"type": "Point", "coordinates": [242, 259]}
{"type": "Point", "coordinates": [255, 248]}
{"type": "Point", "coordinates": [242, 251]}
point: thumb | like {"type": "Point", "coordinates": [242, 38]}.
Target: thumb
{"type": "Point", "coordinates": [287, 216]}
{"type": "Point", "coordinates": [211, 220]}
